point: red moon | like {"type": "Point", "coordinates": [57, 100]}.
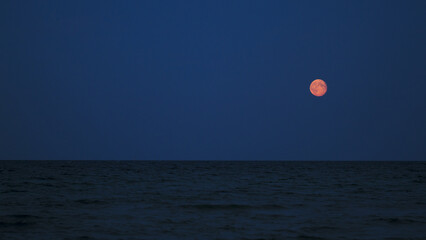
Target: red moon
{"type": "Point", "coordinates": [318, 88]}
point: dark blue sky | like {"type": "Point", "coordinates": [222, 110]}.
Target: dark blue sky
{"type": "Point", "coordinates": [212, 80]}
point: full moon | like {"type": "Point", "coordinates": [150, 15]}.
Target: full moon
{"type": "Point", "coordinates": [318, 88]}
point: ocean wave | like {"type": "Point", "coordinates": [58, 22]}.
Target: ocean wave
{"type": "Point", "coordinates": [232, 206]}
{"type": "Point", "coordinates": [13, 191]}
{"type": "Point", "coordinates": [18, 220]}
{"type": "Point", "coordinates": [399, 220]}
{"type": "Point", "coordinates": [90, 201]}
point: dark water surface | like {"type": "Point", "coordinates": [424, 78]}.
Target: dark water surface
{"type": "Point", "coordinates": [212, 200]}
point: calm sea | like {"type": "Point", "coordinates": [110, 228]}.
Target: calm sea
{"type": "Point", "coordinates": [212, 200]}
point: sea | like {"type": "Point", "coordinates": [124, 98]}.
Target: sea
{"type": "Point", "coordinates": [250, 200]}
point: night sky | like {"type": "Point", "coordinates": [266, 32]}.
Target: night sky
{"type": "Point", "coordinates": [224, 80]}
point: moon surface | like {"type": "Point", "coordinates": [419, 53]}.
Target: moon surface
{"type": "Point", "coordinates": [318, 88]}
